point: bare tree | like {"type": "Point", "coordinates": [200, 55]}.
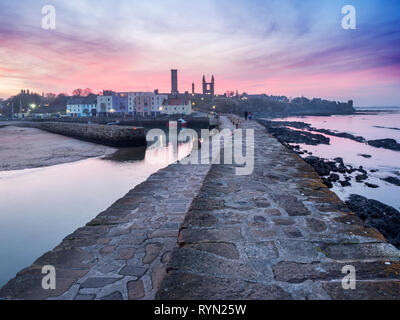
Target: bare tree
{"type": "Point", "coordinates": [77, 92]}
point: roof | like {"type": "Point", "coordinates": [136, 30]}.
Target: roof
{"type": "Point", "coordinates": [90, 99]}
{"type": "Point", "coordinates": [176, 102]}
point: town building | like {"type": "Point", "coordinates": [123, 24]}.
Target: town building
{"type": "Point", "coordinates": [149, 103]}
{"type": "Point", "coordinates": [180, 106]}
{"type": "Point", "coordinates": [82, 106]}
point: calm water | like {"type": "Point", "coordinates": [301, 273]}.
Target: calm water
{"type": "Point", "coordinates": [39, 207]}
{"type": "Point", "coordinates": [370, 126]}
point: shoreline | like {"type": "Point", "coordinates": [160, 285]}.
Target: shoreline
{"type": "Point", "coordinates": [29, 148]}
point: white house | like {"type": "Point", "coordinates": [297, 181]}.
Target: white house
{"type": "Point", "coordinates": [82, 106]}
{"type": "Point", "coordinates": [177, 106]}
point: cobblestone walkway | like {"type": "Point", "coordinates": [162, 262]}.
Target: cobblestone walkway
{"type": "Point", "coordinates": [277, 234]}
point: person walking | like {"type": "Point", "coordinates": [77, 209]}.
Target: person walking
{"type": "Point", "coordinates": [246, 115]}
{"type": "Point", "coordinates": [250, 115]}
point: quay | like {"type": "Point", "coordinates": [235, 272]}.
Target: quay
{"type": "Point", "coordinates": [113, 136]}
{"type": "Point", "coordinates": [203, 232]}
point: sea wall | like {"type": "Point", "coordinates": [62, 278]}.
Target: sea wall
{"type": "Point", "coordinates": [114, 136]}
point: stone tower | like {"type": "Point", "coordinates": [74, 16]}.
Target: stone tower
{"type": "Point", "coordinates": [174, 82]}
{"type": "Point", "coordinates": [209, 87]}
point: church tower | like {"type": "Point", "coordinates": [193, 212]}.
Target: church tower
{"type": "Point", "coordinates": [209, 87]}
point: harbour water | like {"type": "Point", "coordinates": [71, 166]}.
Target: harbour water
{"type": "Point", "coordinates": [39, 207]}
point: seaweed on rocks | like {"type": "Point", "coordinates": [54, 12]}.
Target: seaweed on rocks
{"type": "Point", "coordinates": [380, 216]}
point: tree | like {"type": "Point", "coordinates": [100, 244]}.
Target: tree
{"type": "Point", "coordinates": [87, 92]}
{"type": "Point", "coordinates": [81, 92]}
{"type": "Point", "coordinates": [77, 92]}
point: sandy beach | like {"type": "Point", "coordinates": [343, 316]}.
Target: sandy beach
{"type": "Point", "coordinates": [24, 148]}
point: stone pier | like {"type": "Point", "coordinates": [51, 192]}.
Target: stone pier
{"type": "Point", "coordinates": [114, 136]}
{"type": "Point", "coordinates": [202, 232]}
{"type": "Point", "coordinates": [276, 234]}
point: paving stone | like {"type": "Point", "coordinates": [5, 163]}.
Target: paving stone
{"type": "Point", "coordinates": [152, 252]}
{"type": "Point", "coordinates": [134, 271]}
{"type": "Point", "coordinates": [292, 205]}
{"type": "Point", "coordinates": [365, 290]}
{"type": "Point", "coordinates": [187, 286]}
{"type": "Point", "coordinates": [199, 219]}
{"type": "Point", "coordinates": [292, 232]}
{"type": "Point", "coordinates": [284, 222]}
{"type": "Point", "coordinates": [226, 250]}
{"type": "Point", "coordinates": [195, 261]}
{"type": "Point", "coordinates": [85, 297]}
{"type": "Point", "coordinates": [125, 253]}
{"type": "Point", "coordinates": [157, 276]}
{"type": "Point", "coordinates": [98, 282]}
{"type": "Point", "coordinates": [316, 225]}
{"type": "Point", "coordinates": [294, 272]}
{"type": "Point", "coordinates": [188, 236]}
{"type": "Point", "coordinates": [116, 295]}
{"type": "Point", "coordinates": [135, 290]}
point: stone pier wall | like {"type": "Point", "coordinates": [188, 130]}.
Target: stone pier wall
{"type": "Point", "coordinates": [115, 136]}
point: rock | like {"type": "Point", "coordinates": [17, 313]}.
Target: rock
{"type": "Point", "coordinates": [339, 160]}
{"type": "Point", "coordinates": [345, 183]}
{"type": "Point", "coordinates": [333, 177]}
{"type": "Point", "coordinates": [392, 180]}
{"type": "Point", "coordinates": [390, 144]}
{"type": "Point", "coordinates": [361, 177]}
{"type": "Point", "coordinates": [362, 170]}
{"type": "Point", "coordinates": [322, 167]}
{"type": "Point", "coordinates": [285, 135]}
{"type": "Point", "coordinates": [377, 215]}
{"type": "Point", "coordinates": [327, 183]}
{"type": "Point", "coordinates": [371, 185]}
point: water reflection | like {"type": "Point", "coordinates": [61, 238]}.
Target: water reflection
{"type": "Point", "coordinates": [39, 207]}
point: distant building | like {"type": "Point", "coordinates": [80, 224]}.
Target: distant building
{"type": "Point", "coordinates": [174, 82]}
{"type": "Point", "coordinates": [82, 106]}
{"type": "Point", "coordinates": [149, 103]}
{"type": "Point", "coordinates": [177, 106]}
{"type": "Point", "coordinates": [208, 87]}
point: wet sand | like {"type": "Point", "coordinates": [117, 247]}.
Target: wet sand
{"type": "Point", "coordinates": [24, 148]}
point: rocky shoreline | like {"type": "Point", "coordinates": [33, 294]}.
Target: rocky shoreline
{"type": "Point", "coordinates": [384, 218]}
{"type": "Point", "coordinates": [281, 130]}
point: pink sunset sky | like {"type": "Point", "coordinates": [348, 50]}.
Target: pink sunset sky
{"type": "Point", "coordinates": [287, 48]}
